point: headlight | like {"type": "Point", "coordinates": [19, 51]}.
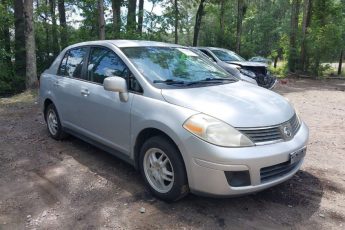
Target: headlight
{"type": "Point", "coordinates": [215, 131]}
{"type": "Point", "coordinates": [247, 73]}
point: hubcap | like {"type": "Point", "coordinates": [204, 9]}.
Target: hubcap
{"type": "Point", "coordinates": [158, 170]}
{"type": "Point", "coordinates": [52, 122]}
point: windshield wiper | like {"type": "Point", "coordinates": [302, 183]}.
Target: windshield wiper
{"type": "Point", "coordinates": [211, 80]}
{"type": "Point", "coordinates": [169, 82]}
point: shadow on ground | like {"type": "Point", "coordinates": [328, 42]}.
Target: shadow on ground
{"type": "Point", "coordinates": [287, 204]}
{"type": "Point", "coordinates": [51, 184]}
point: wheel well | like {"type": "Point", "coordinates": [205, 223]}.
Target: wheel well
{"type": "Point", "coordinates": [46, 103]}
{"type": "Point", "coordinates": [143, 136]}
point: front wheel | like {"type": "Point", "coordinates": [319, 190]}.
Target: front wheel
{"type": "Point", "coordinates": [163, 169]}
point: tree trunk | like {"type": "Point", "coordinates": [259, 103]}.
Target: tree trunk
{"type": "Point", "coordinates": [275, 61]}
{"type": "Point", "coordinates": [292, 61]}
{"type": "Point", "coordinates": [131, 19]}
{"type": "Point", "coordinates": [63, 23]}
{"type": "Point", "coordinates": [240, 10]}
{"type": "Point", "coordinates": [56, 48]}
{"type": "Point", "coordinates": [276, 58]}
{"type": "Point", "coordinates": [116, 5]}
{"type": "Point", "coordinates": [46, 28]}
{"type": "Point", "coordinates": [7, 36]}
{"type": "Point", "coordinates": [221, 18]}
{"type": "Point", "coordinates": [7, 41]}
{"type": "Point", "coordinates": [340, 62]}
{"type": "Point", "coordinates": [140, 17]}
{"type": "Point", "coordinates": [31, 71]}
{"type": "Point", "coordinates": [19, 46]}
{"type": "Point", "coordinates": [198, 18]}
{"type": "Point", "coordinates": [176, 12]}
{"type": "Point", "coordinates": [101, 22]}
{"type": "Point", "coordinates": [305, 25]}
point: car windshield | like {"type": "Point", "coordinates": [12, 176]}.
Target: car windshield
{"type": "Point", "coordinates": [174, 65]}
{"type": "Point", "coordinates": [227, 55]}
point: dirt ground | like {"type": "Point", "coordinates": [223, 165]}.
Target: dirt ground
{"type": "Point", "coordinates": [46, 184]}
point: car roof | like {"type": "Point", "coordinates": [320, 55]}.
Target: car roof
{"type": "Point", "coordinates": [127, 43]}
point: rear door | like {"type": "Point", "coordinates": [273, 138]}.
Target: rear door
{"type": "Point", "coordinates": [67, 86]}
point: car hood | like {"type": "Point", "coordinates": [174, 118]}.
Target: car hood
{"type": "Point", "coordinates": [239, 104]}
{"type": "Point", "coordinates": [248, 63]}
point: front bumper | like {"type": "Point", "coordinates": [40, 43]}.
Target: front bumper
{"type": "Point", "coordinates": [274, 83]}
{"type": "Point", "coordinates": [208, 163]}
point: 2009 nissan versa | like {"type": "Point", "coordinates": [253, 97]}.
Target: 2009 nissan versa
{"type": "Point", "coordinates": [184, 122]}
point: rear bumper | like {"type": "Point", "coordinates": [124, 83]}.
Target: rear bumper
{"type": "Point", "coordinates": [206, 171]}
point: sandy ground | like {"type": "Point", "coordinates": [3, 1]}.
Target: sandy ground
{"type": "Point", "coordinates": [46, 184]}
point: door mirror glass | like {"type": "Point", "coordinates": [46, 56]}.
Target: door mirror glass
{"type": "Point", "coordinates": [116, 84]}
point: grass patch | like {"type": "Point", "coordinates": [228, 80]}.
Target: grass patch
{"type": "Point", "coordinates": [28, 96]}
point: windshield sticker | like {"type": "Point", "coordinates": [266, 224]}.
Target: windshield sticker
{"type": "Point", "coordinates": [187, 52]}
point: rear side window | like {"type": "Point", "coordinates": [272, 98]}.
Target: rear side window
{"type": "Point", "coordinates": [72, 63]}
{"type": "Point", "coordinates": [62, 69]}
{"type": "Point", "coordinates": [105, 63]}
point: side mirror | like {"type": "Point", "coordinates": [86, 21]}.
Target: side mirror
{"type": "Point", "coordinates": [117, 84]}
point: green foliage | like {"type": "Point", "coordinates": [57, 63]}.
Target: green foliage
{"type": "Point", "coordinates": [6, 71]}
{"type": "Point", "coordinates": [266, 31]}
{"type": "Point", "coordinates": [280, 71]}
{"type": "Point", "coordinates": [326, 36]}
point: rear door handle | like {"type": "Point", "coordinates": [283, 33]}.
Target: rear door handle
{"type": "Point", "coordinates": [85, 92]}
{"type": "Point", "coordinates": [56, 83]}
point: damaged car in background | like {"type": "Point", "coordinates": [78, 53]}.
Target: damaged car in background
{"type": "Point", "coordinates": [229, 60]}
{"type": "Point", "coordinates": [229, 68]}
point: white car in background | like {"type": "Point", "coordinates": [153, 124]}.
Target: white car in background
{"type": "Point", "coordinates": [230, 68]}
{"type": "Point", "coordinates": [228, 60]}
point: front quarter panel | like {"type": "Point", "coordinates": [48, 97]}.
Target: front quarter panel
{"type": "Point", "coordinates": [153, 113]}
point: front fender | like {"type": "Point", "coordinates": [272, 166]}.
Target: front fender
{"type": "Point", "coordinates": [158, 114]}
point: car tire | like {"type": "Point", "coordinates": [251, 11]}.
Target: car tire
{"type": "Point", "coordinates": [166, 178]}
{"type": "Point", "coordinates": [53, 123]}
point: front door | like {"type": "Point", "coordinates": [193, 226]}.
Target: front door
{"type": "Point", "coordinates": [104, 116]}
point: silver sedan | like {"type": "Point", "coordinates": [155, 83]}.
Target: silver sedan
{"type": "Point", "coordinates": [182, 121]}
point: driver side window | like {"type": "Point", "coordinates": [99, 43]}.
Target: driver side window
{"type": "Point", "coordinates": [105, 63]}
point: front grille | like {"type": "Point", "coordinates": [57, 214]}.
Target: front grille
{"type": "Point", "coordinates": [263, 135]}
{"type": "Point", "coordinates": [276, 171]}
{"type": "Point", "coordinates": [295, 124]}
{"type": "Point", "coordinates": [258, 70]}
{"type": "Point", "coordinates": [275, 133]}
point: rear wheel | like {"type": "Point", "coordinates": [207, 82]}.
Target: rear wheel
{"type": "Point", "coordinates": [53, 123]}
{"type": "Point", "coordinates": [163, 169]}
